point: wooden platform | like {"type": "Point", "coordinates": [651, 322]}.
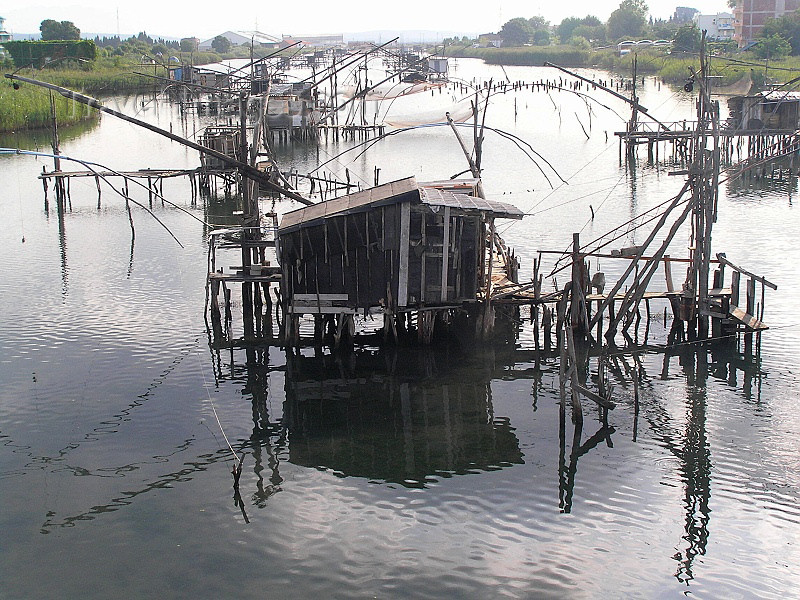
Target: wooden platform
{"type": "Point", "coordinates": [524, 295]}
{"type": "Point", "coordinates": [140, 174]}
{"type": "Point", "coordinates": [662, 136]}
{"type": "Point", "coordinates": [751, 323]}
{"type": "Point", "coordinates": [267, 275]}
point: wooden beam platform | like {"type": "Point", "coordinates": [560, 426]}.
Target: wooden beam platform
{"type": "Point", "coordinates": [525, 295]}
{"type": "Point", "coordinates": [240, 277]}
{"type": "Point", "coordinates": [661, 136]}
{"type": "Point", "coordinates": [751, 323]}
{"type": "Point", "coordinates": [140, 174]}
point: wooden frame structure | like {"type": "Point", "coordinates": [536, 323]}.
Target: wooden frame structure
{"type": "Point", "coordinates": [394, 248]}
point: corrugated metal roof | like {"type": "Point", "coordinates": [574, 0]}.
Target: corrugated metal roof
{"type": "Point", "coordinates": [778, 95]}
{"type": "Point", "coordinates": [349, 202]}
{"type": "Point", "coordinates": [437, 197]}
{"type": "Point", "coordinates": [402, 189]}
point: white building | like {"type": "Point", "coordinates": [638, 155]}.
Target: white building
{"type": "Point", "coordinates": [4, 35]}
{"type": "Point", "coordinates": [717, 27]}
{"type": "Point", "coordinates": [243, 38]}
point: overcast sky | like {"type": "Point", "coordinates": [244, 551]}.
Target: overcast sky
{"type": "Point", "coordinates": [178, 19]}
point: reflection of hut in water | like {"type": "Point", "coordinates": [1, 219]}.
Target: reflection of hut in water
{"type": "Point", "coordinates": [774, 110]}
{"type": "Point", "coordinates": [396, 427]}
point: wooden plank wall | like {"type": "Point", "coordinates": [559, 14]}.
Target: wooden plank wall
{"type": "Point", "coordinates": [398, 251]}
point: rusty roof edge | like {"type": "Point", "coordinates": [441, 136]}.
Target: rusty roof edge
{"type": "Point", "coordinates": [437, 197]}
{"type": "Point", "coordinates": [349, 203]}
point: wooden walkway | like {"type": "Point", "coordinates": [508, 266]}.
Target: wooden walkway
{"type": "Point", "coordinates": [140, 174]}
{"type": "Point", "coordinates": [662, 136]}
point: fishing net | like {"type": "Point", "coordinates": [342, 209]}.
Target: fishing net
{"type": "Point", "coordinates": [459, 114]}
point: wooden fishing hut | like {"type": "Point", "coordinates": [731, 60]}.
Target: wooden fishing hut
{"type": "Point", "coordinates": [198, 76]}
{"type": "Point", "coordinates": [437, 68]}
{"type": "Point", "coordinates": [405, 249]}
{"type": "Point", "coordinates": [774, 110]}
{"type": "Point", "coordinates": [291, 108]}
{"type": "Point", "coordinates": [223, 139]}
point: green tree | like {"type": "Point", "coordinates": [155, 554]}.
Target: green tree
{"type": "Point", "coordinates": [625, 23]}
{"type": "Point", "coordinates": [580, 42]}
{"type": "Point", "coordinates": [516, 32]}
{"type": "Point", "coordinates": [538, 22]}
{"type": "Point", "coordinates": [566, 28]}
{"type": "Point", "coordinates": [595, 34]}
{"type": "Point", "coordinates": [188, 44]}
{"type": "Point", "coordinates": [687, 38]}
{"type": "Point", "coordinates": [59, 30]}
{"type": "Point", "coordinates": [661, 29]}
{"type": "Point", "coordinates": [638, 6]}
{"type": "Point", "coordinates": [773, 46]}
{"type": "Point", "coordinates": [221, 44]}
{"type": "Point", "coordinates": [787, 26]}
{"type": "Point", "coordinates": [541, 37]}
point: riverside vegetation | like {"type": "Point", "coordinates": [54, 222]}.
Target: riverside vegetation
{"type": "Point", "coordinates": [29, 107]}
{"type": "Point", "coordinates": [672, 68]}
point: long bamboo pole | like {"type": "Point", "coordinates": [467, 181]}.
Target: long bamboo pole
{"type": "Point", "coordinates": [610, 298]}
{"type": "Point", "coordinates": [246, 169]}
{"type": "Point", "coordinates": [636, 105]}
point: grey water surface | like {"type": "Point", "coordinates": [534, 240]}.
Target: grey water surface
{"type": "Point", "coordinates": [436, 473]}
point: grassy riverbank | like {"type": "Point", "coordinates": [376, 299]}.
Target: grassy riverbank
{"type": "Point", "coordinates": [669, 67]}
{"type": "Point", "coordinates": [29, 106]}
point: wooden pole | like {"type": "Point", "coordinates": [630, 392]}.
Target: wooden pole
{"type": "Point", "coordinates": [610, 297]}
{"type": "Point", "coordinates": [252, 172]}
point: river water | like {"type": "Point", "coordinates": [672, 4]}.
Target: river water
{"type": "Point", "coordinates": [424, 474]}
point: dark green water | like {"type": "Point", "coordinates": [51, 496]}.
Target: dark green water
{"type": "Point", "coordinates": [418, 474]}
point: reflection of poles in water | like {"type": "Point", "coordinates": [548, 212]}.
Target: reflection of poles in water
{"type": "Point", "coordinates": [695, 466]}
{"type": "Point", "coordinates": [408, 430]}
{"type": "Point", "coordinates": [690, 447]}
{"type": "Point", "coordinates": [263, 429]}
{"type": "Point", "coordinates": [62, 245]}
{"type": "Point", "coordinates": [567, 472]}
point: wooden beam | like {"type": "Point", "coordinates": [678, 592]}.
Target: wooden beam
{"type": "Point", "coordinates": [402, 283]}
{"type": "Point", "coordinates": [445, 252]}
{"type": "Point", "coordinates": [759, 278]}
{"type": "Point", "coordinates": [245, 168]}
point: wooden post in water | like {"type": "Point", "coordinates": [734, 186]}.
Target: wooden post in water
{"type": "Point", "coordinates": [59, 181]}
{"type": "Point", "coordinates": [578, 319]}
{"type": "Point", "coordinates": [249, 217]}
{"type": "Point", "coordinates": [704, 179]}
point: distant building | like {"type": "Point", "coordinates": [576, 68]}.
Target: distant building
{"type": "Point", "coordinates": [243, 38]}
{"type": "Point", "coordinates": [316, 41]}
{"type": "Point", "coordinates": [191, 42]}
{"type": "Point", "coordinates": [490, 40]}
{"type": "Point", "coordinates": [4, 35]}
{"type": "Point", "coordinates": [750, 16]}
{"type": "Point", "coordinates": [717, 27]}
{"type": "Point", "coordinates": [684, 14]}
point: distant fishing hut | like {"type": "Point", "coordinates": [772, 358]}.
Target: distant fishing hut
{"type": "Point", "coordinates": [774, 110]}
{"type": "Point", "coordinates": [404, 249]}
